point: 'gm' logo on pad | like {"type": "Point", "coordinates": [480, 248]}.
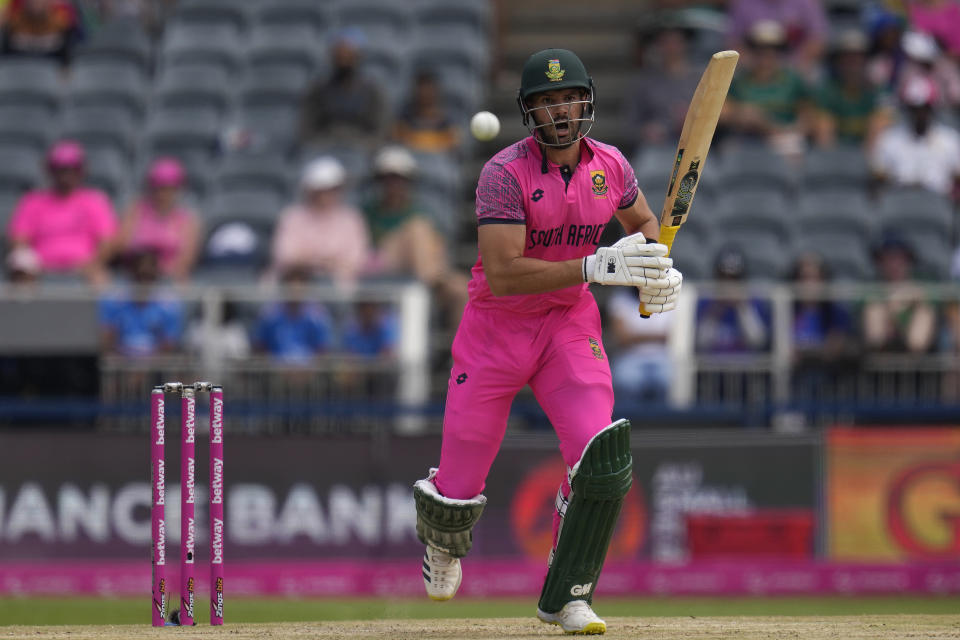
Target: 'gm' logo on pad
{"type": "Point", "coordinates": [581, 589]}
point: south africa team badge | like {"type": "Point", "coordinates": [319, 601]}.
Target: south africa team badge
{"type": "Point", "coordinates": [599, 180]}
{"type": "Point", "coordinates": [595, 347]}
{"type": "Point", "coordinates": [554, 72]}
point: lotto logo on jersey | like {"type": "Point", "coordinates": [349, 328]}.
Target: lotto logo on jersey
{"type": "Point", "coordinates": [554, 72]}
{"type": "Point", "coordinates": [599, 180]}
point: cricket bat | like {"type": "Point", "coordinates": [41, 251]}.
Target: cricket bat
{"type": "Point", "coordinates": [695, 138]}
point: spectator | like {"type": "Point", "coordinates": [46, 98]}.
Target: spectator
{"type": "Point", "coordinates": [294, 331]}
{"type": "Point", "coordinates": [349, 108]}
{"type": "Point", "coordinates": [939, 18]}
{"type": "Point", "coordinates": [640, 363]}
{"type": "Point", "coordinates": [731, 323]}
{"type": "Point", "coordinates": [424, 124]}
{"type": "Point", "coordinates": [921, 151]}
{"type": "Point", "coordinates": [322, 233]}
{"type": "Point", "coordinates": [886, 56]}
{"type": "Point", "coordinates": [902, 320]}
{"type": "Point", "coordinates": [40, 28]}
{"type": "Point", "coordinates": [923, 58]}
{"type": "Point", "coordinates": [371, 331]}
{"type": "Point", "coordinates": [159, 222]}
{"type": "Point", "coordinates": [658, 95]}
{"type": "Point", "coordinates": [143, 321]}
{"type": "Point", "coordinates": [228, 340]}
{"type": "Point", "coordinates": [405, 240]}
{"type": "Point", "coordinates": [804, 23]}
{"type": "Point", "coordinates": [825, 339]}
{"type": "Point", "coordinates": [71, 227]}
{"type": "Point", "coordinates": [850, 109]}
{"type": "Point", "coordinates": [768, 100]}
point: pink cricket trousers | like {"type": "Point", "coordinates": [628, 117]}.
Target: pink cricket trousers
{"type": "Point", "coordinates": [495, 353]}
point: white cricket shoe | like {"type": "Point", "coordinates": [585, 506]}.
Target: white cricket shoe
{"type": "Point", "coordinates": [576, 617]}
{"type": "Point", "coordinates": [441, 574]}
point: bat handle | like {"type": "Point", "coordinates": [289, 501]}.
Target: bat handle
{"type": "Point", "coordinates": [667, 234]}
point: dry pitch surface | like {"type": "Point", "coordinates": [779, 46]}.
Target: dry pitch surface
{"type": "Point", "coordinates": [689, 628]}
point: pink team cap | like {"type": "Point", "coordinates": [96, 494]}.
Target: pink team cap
{"type": "Point", "coordinates": [166, 172]}
{"type": "Point", "coordinates": [66, 154]}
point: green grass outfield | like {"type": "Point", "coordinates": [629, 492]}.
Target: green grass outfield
{"type": "Point", "coordinates": [73, 611]}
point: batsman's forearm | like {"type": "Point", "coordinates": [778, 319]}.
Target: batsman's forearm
{"type": "Point", "coordinates": [522, 275]}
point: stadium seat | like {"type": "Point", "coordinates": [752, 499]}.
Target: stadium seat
{"type": "Point", "coordinates": [269, 125]}
{"type": "Point", "coordinates": [839, 166]}
{"type": "Point", "coordinates": [909, 206]}
{"type": "Point", "coordinates": [292, 45]}
{"type": "Point", "coordinates": [32, 83]}
{"type": "Point", "coordinates": [120, 40]}
{"type": "Point", "coordinates": [192, 136]}
{"type": "Point", "coordinates": [20, 126]}
{"type": "Point", "coordinates": [442, 14]}
{"type": "Point", "coordinates": [389, 65]}
{"type": "Point", "coordinates": [841, 204]}
{"type": "Point", "coordinates": [284, 13]}
{"type": "Point", "coordinates": [379, 20]}
{"type": "Point", "coordinates": [108, 83]}
{"type": "Point", "coordinates": [244, 203]}
{"type": "Point", "coordinates": [767, 261]}
{"type": "Point", "coordinates": [197, 85]}
{"type": "Point", "coordinates": [191, 44]}
{"type": "Point", "coordinates": [100, 128]}
{"type": "Point", "coordinates": [20, 168]}
{"type": "Point", "coordinates": [110, 171]}
{"type": "Point", "coordinates": [755, 202]}
{"type": "Point", "coordinates": [261, 171]}
{"type": "Point", "coordinates": [750, 231]}
{"type": "Point", "coordinates": [932, 249]}
{"type": "Point", "coordinates": [846, 256]}
{"type": "Point", "coordinates": [692, 257]}
{"type": "Point", "coordinates": [8, 203]}
{"type": "Point", "coordinates": [211, 13]}
{"type": "Point", "coordinates": [274, 82]}
{"type": "Point", "coordinates": [754, 166]}
{"type": "Point", "coordinates": [440, 173]}
{"type": "Point", "coordinates": [464, 54]}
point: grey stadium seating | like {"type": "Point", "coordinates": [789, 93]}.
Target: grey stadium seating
{"type": "Point", "coordinates": [101, 128]}
{"type": "Point", "coordinates": [262, 171]}
{"type": "Point", "coordinates": [244, 204]}
{"type": "Point", "coordinates": [31, 83]}
{"type": "Point", "coordinates": [836, 167]}
{"type": "Point", "coordinates": [20, 168]}
{"type": "Point", "coordinates": [196, 85]}
{"type": "Point", "coordinates": [212, 12]}
{"type": "Point", "coordinates": [909, 206]}
{"type": "Point", "coordinates": [754, 166]}
{"type": "Point", "coordinates": [109, 83]}
{"type": "Point", "coordinates": [20, 126]}
{"type": "Point", "coordinates": [219, 44]}
{"type": "Point", "coordinates": [119, 40]}
{"type": "Point", "coordinates": [315, 15]}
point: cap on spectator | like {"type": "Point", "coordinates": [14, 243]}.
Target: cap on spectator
{"type": "Point", "coordinates": [850, 41]}
{"type": "Point", "coordinates": [919, 91]}
{"type": "Point", "coordinates": [395, 161]}
{"type": "Point", "coordinates": [166, 172]}
{"type": "Point", "coordinates": [324, 173]}
{"type": "Point", "coordinates": [23, 260]}
{"type": "Point", "coordinates": [350, 36]}
{"type": "Point", "coordinates": [919, 46]}
{"type": "Point", "coordinates": [231, 240]}
{"type": "Point", "coordinates": [66, 154]}
{"type": "Point", "coordinates": [767, 33]}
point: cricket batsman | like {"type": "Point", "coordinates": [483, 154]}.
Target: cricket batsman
{"type": "Point", "coordinates": [542, 204]}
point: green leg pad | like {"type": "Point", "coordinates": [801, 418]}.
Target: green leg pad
{"type": "Point", "coordinates": [600, 481]}
{"type": "Point", "coordinates": [445, 523]}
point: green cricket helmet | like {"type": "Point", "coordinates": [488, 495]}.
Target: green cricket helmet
{"type": "Point", "coordinates": [555, 69]}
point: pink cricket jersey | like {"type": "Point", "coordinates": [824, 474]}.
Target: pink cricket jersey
{"type": "Point", "coordinates": [65, 231]}
{"type": "Point", "coordinates": [563, 220]}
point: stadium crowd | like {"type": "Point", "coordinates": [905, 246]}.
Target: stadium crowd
{"type": "Point", "coordinates": [289, 142]}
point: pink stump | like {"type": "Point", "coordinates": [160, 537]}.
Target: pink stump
{"type": "Point", "coordinates": [188, 529]}
{"type": "Point", "coordinates": [157, 523]}
{"type": "Point", "coordinates": [216, 506]}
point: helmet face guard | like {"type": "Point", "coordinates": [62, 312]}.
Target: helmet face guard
{"type": "Point", "coordinates": [538, 130]}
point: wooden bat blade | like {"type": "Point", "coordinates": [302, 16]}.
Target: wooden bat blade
{"type": "Point", "coordinates": [696, 136]}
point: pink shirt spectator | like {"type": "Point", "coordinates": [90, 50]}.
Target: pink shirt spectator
{"type": "Point", "coordinates": [333, 242]}
{"type": "Point", "coordinates": [561, 223]}
{"type": "Point", "coordinates": [803, 20]}
{"type": "Point", "coordinates": [939, 19]}
{"type": "Point", "coordinates": [164, 234]}
{"type": "Point", "coordinates": [65, 231]}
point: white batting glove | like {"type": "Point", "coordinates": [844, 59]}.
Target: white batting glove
{"type": "Point", "coordinates": [631, 262]}
{"type": "Point", "coordinates": [658, 297]}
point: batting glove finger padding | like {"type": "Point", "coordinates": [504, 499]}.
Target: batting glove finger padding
{"type": "Point", "coordinates": [662, 295]}
{"type": "Point", "coordinates": [628, 262]}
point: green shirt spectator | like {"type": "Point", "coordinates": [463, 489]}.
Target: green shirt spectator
{"type": "Point", "coordinates": [778, 96]}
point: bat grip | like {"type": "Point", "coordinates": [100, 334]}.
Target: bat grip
{"type": "Point", "coordinates": [667, 234]}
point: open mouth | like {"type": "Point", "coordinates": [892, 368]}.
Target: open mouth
{"type": "Point", "coordinates": [563, 128]}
